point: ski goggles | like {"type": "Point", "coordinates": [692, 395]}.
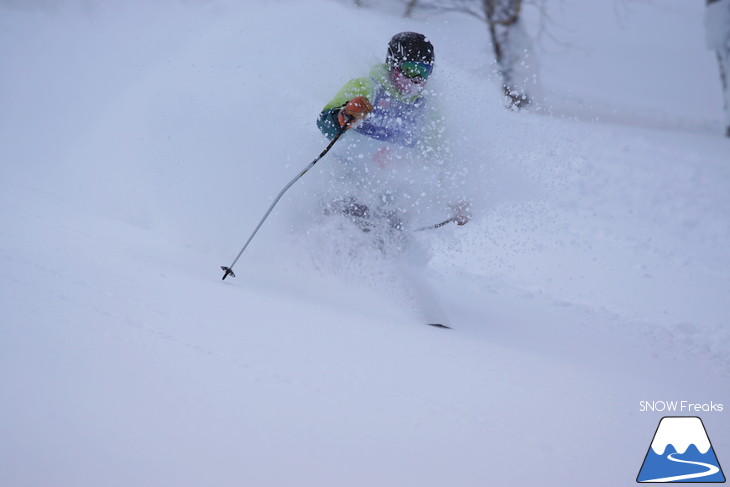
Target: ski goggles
{"type": "Point", "coordinates": [414, 69]}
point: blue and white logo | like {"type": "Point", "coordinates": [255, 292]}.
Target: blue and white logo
{"type": "Point", "coordinates": [680, 452]}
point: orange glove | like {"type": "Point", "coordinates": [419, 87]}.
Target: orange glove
{"type": "Point", "coordinates": [462, 212]}
{"type": "Point", "coordinates": [354, 110]}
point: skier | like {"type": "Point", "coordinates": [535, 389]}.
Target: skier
{"type": "Point", "coordinates": [396, 152]}
{"type": "Point", "coordinates": [391, 164]}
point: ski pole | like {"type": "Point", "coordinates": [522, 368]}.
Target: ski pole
{"type": "Point", "coordinates": [436, 225]}
{"type": "Point", "coordinates": [229, 269]}
{"type": "Point", "coordinates": [461, 208]}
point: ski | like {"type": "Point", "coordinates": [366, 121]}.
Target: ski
{"type": "Point", "coordinates": [439, 325]}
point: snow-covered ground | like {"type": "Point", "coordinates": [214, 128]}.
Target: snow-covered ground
{"type": "Point", "coordinates": [140, 145]}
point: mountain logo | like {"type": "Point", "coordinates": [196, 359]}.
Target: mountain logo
{"type": "Point", "coordinates": [680, 452]}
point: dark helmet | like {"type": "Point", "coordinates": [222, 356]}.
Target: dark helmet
{"type": "Point", "coordinates": [409, 46]}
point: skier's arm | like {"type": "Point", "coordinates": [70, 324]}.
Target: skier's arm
{"type": "Point", "coordinates": [328, 122]}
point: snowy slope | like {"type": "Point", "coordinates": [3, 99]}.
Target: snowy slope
{"type": "Point", "coordinates": [140, 145]}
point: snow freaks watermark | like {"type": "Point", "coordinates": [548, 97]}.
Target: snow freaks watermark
{"type": "Point", "coordinates": [680, 451]}
{"type": "Point", "coordinates": [684, 407]}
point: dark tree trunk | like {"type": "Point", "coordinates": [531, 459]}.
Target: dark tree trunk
{"type": "Point", "coordinates": [508, 41]}
{"type": "Point", "coordinates": [720, 43]}
{"type": "Point", "coordinates": [410, 6]}
{"type": "Point", "coordinates": [724, 62]}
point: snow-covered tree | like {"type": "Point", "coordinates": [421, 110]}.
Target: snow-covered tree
{"type": "Point", "coordinates": [510, 43]}
{"type": "Point", "coordinates": [717, 23]}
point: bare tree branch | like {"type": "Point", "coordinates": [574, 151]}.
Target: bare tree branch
{"type": "Point", "coordinates": [463, 10]}
{"type": "Point", "coordinates": [410, 6]}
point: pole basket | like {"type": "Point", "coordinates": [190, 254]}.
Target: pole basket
{"type": "Point", "coordinates": [228, 272]}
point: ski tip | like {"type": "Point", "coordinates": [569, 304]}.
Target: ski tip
{"type": "Point", "coordinates": [439, 325]}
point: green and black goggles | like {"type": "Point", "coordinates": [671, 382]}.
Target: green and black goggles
{"type": "Point", "coordinates": [414, 69]}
